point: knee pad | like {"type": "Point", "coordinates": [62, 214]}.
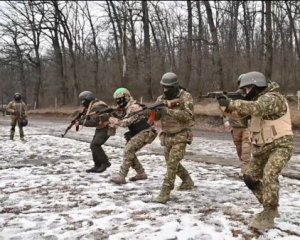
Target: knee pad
{"type": "Point", "coordinates": [250, 182]}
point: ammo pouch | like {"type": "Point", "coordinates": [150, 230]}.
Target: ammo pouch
{"type": "Point", "coordinates": [152, 133]}
{"type": "Point", "coordinates": [184, 136]}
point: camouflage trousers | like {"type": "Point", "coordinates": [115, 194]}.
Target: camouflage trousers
{"type": "Point", "coordinates": [266, 165]}
{"type": "Point", "coordinates": [14, 122]}
{"type": "Point", "coordinates": [241, 139]}
{"type": "Point", "coordinates": [174, 150]}
{"type": "Point", "coordinates": [133, 145]}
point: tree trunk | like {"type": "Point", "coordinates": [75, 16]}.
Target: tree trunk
{"type": "Point", "coordinates": [218, 69]}
{"type": "Point", "coordinates": [269, 41]}
{"type": "Point", "coordinates": [189, 45]}
{"type": "Point", "coordinates": [147, 61]}
{"type": "Point", "coordinates": [97, 84]}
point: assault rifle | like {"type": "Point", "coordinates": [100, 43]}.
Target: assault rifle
{"type": "Point", "coordinates": [82, 115]}
{"type": "Point", "coordinates": [217, 94]}
{"type": "Point", "coordinates": [168, 103]}
{"type": "Point", "coordinates": [74, 120]}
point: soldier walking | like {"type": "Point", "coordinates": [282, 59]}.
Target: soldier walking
{"type": "Point", "coordinates": [140, 133]}
{"type": "Point", "coordinates": [103, 131]}
{"type": "Point", "coordinates": [272, 141]}
{"type": "Point", "coordinates": [17, 109]}
{"type": "Point", "coordinates": [176, 123]}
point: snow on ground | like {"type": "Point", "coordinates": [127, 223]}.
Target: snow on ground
{"type": "Point", "coordinates": [45, 193]}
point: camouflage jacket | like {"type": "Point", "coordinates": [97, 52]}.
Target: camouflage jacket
{"type": "Point", "coordinates": [17, 109]}
{"type": "Point", "coordinates": [267, 106]}
{"type": "Point", "coordinates": [180, 117]}
{"type": "Point", "coordinates": [130, 118]}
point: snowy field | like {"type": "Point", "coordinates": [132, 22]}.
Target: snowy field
{"type": "Point", "coordinates": [45, 192]}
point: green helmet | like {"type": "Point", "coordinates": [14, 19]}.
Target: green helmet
{"type": "Point", "coordinates": [121, 92]}
{"type": "Point", "coordinates": [169, 79]}
{"type": "Point", "coordinates": [253, 78]}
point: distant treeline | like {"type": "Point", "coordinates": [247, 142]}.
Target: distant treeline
{"type": "Point", "coordinates": [50, 51]}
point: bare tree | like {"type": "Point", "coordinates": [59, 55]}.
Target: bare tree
{"type": "Point", "coordinates": [269, 41]}
{"type": "Point", "coordinates": [147, 57]}
{"type": "Point", "coordinates": [216, 51]}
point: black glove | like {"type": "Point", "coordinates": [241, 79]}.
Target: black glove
{"type": "Point", "coordinates": [127, 136]}
{"type": "Point", "coordinates": [223, 101]}
{"type": "Point", "coordinates": [162, 110]}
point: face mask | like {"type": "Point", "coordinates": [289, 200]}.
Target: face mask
{"type": "Point", "coordinates": [121, 102]}
{"type": "Point", "coordinates": [85, 103]}
{"type": "Point", "coordinates": [170, 92]}
{"type": "Point", "coordinates": [253, 93]}
{"type": "Point", "coordinates": [18, 98]}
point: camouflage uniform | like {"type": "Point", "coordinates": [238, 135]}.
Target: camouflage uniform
{"type": "Point", "coordinates": [18, 112]}
{"type": "Point", "coordinates": [270, 154]}
{"type": "Point", "coordinates": [241, 138]}
{"type": "Point", "coordinates": [176, 134]}
{"type": "Point", "coordinates": [102, 133]}
{"type": "Point", "coordinates": [140, 133]}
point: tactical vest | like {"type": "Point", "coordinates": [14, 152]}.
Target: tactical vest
{"type": "Point", "coordinates": [266, 131]}
{"type": "Point", "coordinates": [170, 124]}
{"type": "Point", "coordinates": [140, 124]}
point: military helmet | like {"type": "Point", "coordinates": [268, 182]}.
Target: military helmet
{"type": "Point", "coordinates": [86, 97]}
{"type": "Point", "coordinates": [17, 96]}
{"type": "Point", "coordinates": [24, 122]}
{"type": "Point", "coordinates": [121, 92]}
{"type": "Point", "coordinates": [239, 79]}
{"type": "Point", "coordinates": [169, 79]}
{"type": "Point", "coordinates": [253, 78]}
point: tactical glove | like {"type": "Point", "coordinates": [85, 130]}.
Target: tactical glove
{"type": "Point", "coordinates": [223, 101]}
{"type": "Point", "coordinates": [127, 136]}
{"type": "Point", "coordinates": [161, 110]}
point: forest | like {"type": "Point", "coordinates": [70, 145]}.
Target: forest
{"type": "Point", "coordinates": [51, 50]}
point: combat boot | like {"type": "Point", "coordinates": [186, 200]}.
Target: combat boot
{"type": "Point", "coordinates": [139, 176]}
{"type": "Point", "coordinates": [118, 180]}
{"type": "Point", "coordinates": [11, 136]}
{"type": "Point", "coordinates": [163, 196]}
{"type": "Point", "coordinates": [265, 219]}
{"type": "Point", "coordinates": [187, 184]}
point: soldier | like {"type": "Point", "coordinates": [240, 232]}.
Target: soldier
{"type": "Point", "coordinates": [272, 141]}
{"type": "Point", "coordinates": [241, 137]}
{"type": "Point", "coordinates": [103, 131]}
{"type": "Point", "coordinates": [176, 123]}
{"type": "Point", "coordinates": [18, 111]}
{"type": "Point", "coordinates": [140, 133]}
